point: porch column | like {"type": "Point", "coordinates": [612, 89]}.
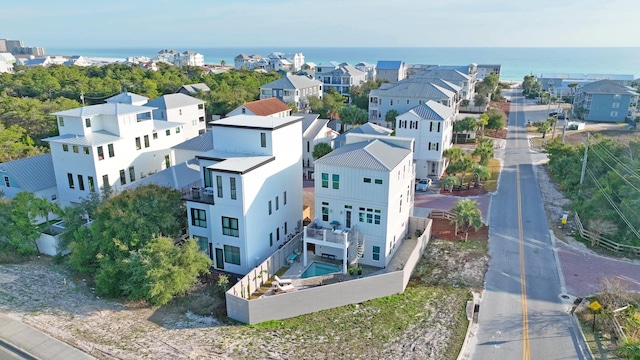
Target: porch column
{"type": "Point", "coordinates": [304, 246]}
{"type": "Point", "coordinates": [344, 253]}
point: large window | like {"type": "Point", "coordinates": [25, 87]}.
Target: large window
{"type": "Point", "coordinates": [146, 141]}
{"type": "Point", "coordinates": [208, 178]}
{"type": "Point", "coordinates": [75, 148]}
{"type": "Point", "coordinates": [132, 174]}
{"type": "Point", "coordinates": [70, 178]}
{"type": "Point", "coordinates": [203, 244]}
{"type": "Point", "coordinates": [232, 254]}
{"type": "Point", "coordinates": [335, 181]}
{"type": "Point", "coordinates": [92, 185]}
{"type": "Point", "coordinates": [198, 217]}
{"type": "Point", "coordinates": [376, 253]}
{"type": "Point", "coordinates": [80, 182]}
{"type": "Point", "coordinates": [325, 211]}
{"type": "Point", "coordinates": [369, 216]}
{"type": "Point", "coordinates": [123, 178]}
{"type": "Point", "coordinates": [100, 153]}
{"type": "Point", "coordinates": [219, 184]}
{"type": "Point", "coordinates": [232, 186]}
{"type": "Point", "coordinates": [230, 226]}
{"type": "Point", "coordinates": [65, 147]}
{"type": "Point", "coordinates": [87, 122]}
{"type": "Point", "coordinates": [138, 146]}
{"type": "Point", "coordinates": [325, 180]}
{"type": "Point", "coordinates": [111, 152]}
{"type": "Point", "coordinates": [263, 139]}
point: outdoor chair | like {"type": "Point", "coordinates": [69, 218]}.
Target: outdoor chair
{"type": "Point", "coordinates": [285, 288]}
{"type": "Point", "coordinates": [282, 281]}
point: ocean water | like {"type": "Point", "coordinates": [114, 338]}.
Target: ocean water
{"type": "Point", "coordinates": [516, 62]}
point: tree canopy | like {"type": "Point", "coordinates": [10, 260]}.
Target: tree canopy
{"type": "Point", "coordinates": [360, 93]}
{"type": "Point", "coordinates": [353, 115]}
{"type": "Point", "coordinates": [321, 149]}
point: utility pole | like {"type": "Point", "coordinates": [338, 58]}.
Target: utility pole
{"type": "Point", "coordinates": [584, 160]}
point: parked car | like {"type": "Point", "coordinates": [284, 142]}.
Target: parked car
{"type": "Point", "coordinates": [553, 113]}
{"type": "Point", "coordinates": [423, 184]}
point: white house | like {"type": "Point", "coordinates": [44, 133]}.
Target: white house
{"type": "Point", "coordinates": [363, 199]}
{"type": "Point", "coordinates": [113, 145]}
{"type": "Point", "coordinates": [285, 61]}
{"type": "Point", "coordinates": [431, 125]}
{"type": "Point", "coordinates": [340, 77]}
{"type": "Point", "coordinates": [33, 174]}
{"type": "Point", "coordinates": [368, 69]}
{"type": "Point", "coordinates": [6, 62]}
{"type": "Point", "coordinates": [190, 58]}
{"type": "Point", "coordinates": [183, 109]}
{"type": "Point", "coordinates": [272, 106]}
{"type": "Point", "coordinates": [463, 76]}
{"type": "Point", "coordinates": [247, 61]}
{"type": "Point", "coordinates": [392, 71]}
{"type": "Point", "coordinates": [314, 131]}
{"type": "Point", "coordinates": [128, 98]}
{"type": "Point", "coordinates": [407, 94]}
{"type": "Point", "coordinates": [295, 89]}
{"type": "Point", "coordinates": [250, 199]}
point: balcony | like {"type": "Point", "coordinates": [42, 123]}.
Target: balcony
{"type": "Point", "coordinates": [200, 195]}
{"type": "Point", "coordinates": [316, 234]}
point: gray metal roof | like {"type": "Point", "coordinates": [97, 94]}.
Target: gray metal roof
{"type": "Point", "coordinates": [172, 101]}
{"type": "Point", "coordinates": [372, 155]}
{"type": "Point", "coordinates": [194, 88]}
{"type": "Point", "coordinates": [443, 73]}
{"type": "Point", "coordinates": [414, 88]}
{"type": "Point", "coordinates": [292, 82]}
{"type": "Point", "coordinates": [606, 87]}
{"type": "Point", "coordinates": [432, 110]}
{"type": "Point", "coordinates": [96, 138]}
{"type": "Point", "coordinates": [33, 173]}
{"type": "Point", "coordinates": [116, 109]}
{"type": "Point", "coordinates": [389, 65]}
{"type": "Point", "coordinates": [202, 143]}
{"type": "Point", "coordinates": [447, 85]}
{"type": "Point", "coordinates": [366, 128]}
{"type": "Point", "coordinates": [176, 177]}
{"type": "Point", "coordinates": [315, 128]}
{"type": "Point", "coordinates": [127, 98]}
{"type": "Point", "coordinates": [307, 120]}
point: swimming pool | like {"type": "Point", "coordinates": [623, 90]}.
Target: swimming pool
{"type": "Point", "coordinates": [319, 268]}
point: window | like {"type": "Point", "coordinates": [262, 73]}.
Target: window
{"type": "Point", "coordinates": [167, 161]}
{"type": "Point", "coordinates": [284, 198]}
{"type": "Point", "coordinates": [232, 254]}
{"type": "Point", "coordinates": [75, 148]}
{"type": "Point", "coordinates": [61, 121]}
{"type": "Point", "coordinates": [615, 105]}
{"type": "Point", "coordinates": [146, 141]}
{"type": "Point", "coordinates": [198, 217]}
{"type": "Point", "coordinates": [379, 181]}
{"type": "Point", "coordinates": [180, 111]}
{"type": "Point", "coordinates": [6, 181]}
{"type": "Point", "coordinates": [123, 178]}
{"type": "Point", "coordinates": [230, 226]}
{"type": "Point", "coordinates": [219, 185]}
{"type": "Point", "coordinates": [263, 139]}
{"type": "Point", "coordinates": [325, 211]}
{"type": "Point", "coordinates": [277, 234]}
{"type": "Point", "coordinates": [132, 174]}
{"type": "Point", "coordinates": [70, 178]}
{"type": "Point", "coordinates": [376, 217]}
{"type": "Point", "coordinates": [80, 182]}
{"type": "Point", "coordinates": [92, 185]}
{"type": "Point", "coordinates": [285, 228]}
{"type": "Point", "coordinates": [438, 127]}
{"type": "Point", "coordinates": [277, 203]}
{"type": "Point", "coordinates": [100, 153]}
{"type": "Point", "coordinates": [168, 132]}
{"type": "Point", "coordinates": [614, 114]}
{"type": "Point", "coordinates": [232, 186]}
{"type": "Point", "coordinates": [208, 178]}
{"type": "Point", "coordinates": [200, 106]}
{"type": "Point", "coordinates": [87, 122]}
{"type": "Point", "coordinates": [325, 180]}
{"type": "Point", "coordinates": [138, 146]}
{"type": "Point", "coordinates": [308, 146]}
{"type": "Point", "coordinates": [369, 216]}
{"type": "Point", "coordinates": [367, 180]}
{"type": "Point", "coordinates": [105, 181]}
{"type": "Point", "coordinates": [111, 152]}
{"type": "Point", "coordinates": [269, 207]}
{"type": "Point", "coordinates": [178, 129]}
{"type": "Point", "coordinates": [203, 244]}
{"type": "Point", "coordinates": [85, 150]}
{"type": "Point", "coordinates": [270, 239]}
{"type": "Point", "coordinates": [335, 179]}
{"type": "Point", "coordinates": [376, 253]}
{"type": "Point", "coordinates": [65, 147]}
{"type": "Point", "coordinates": [201, 119]}
{"type": "Point", "coordinates": [154, 136]}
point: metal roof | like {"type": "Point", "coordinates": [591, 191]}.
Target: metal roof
{"type": "Point", "coordinates": [607, 87]}
{"type": "Point", "coordinates": [373, 155]}
{"type": "Point", "coordinates": [172, 101]}
{"type": "Point", "coordinates": [256, 121]}
{"type": "Point", "coordinates": [414, 88]}
{"type": "Point", "coordinates": [176, 177]}
{"type": "Point", "coordinates": [116, 109]}
{"type": "Point", "coordinates": [127, 98]}
{"type": "Point", "coordinates": [432, 110]}
{"type": "Point", "coordinates": [388, 65]}
{"type": "Point", "coordinates": [96, 138]}
{"type": "Point", "coordinates": [443, 73]}
{"type": "Point", "coordinates": [194, 88]}
{"type": "Point", "coordinates": [307, 120]}
{"type": "Point", "coordinates": [202, 143]}
{"type": "Point", "coordinates": [292, 82]}
{"type": "Point", "coordinates": [33, 173]}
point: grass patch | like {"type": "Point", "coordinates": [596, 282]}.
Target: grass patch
{"type": "Point", "coordinates": [492, 183]}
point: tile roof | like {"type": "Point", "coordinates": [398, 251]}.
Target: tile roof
{"type": "Point", "coordinates": [373, 155]}
{"type": "Point", "coordinates": [267, 107]}
{"type": "Point", "coordinates": [116, 109]}
{"type": "Point", "coordinates": [606, 87]}
{"type": "Point", "coordinates": [432, 110]}
{"type": "Point", "coordinates": [388, 65]}
{"type": "Point", "coordinates": [126, 98]}
{"type": "Point", "coordinates": [33, 173]}
{"type": "Point", "coordinates": [172, 101]}
{"type": "Point", "coordinates": [202, 143]}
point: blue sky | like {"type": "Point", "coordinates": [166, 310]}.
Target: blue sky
{"type": "Point", "coordinates": [328, 23]}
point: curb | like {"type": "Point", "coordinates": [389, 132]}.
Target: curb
{"type": "Point", "coordinates": [470, 335]}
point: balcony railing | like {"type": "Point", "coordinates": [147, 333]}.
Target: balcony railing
{"type": "Point", "coordinates": [201, 195]}
{"type": "Point", "coordinates": [332, 235]}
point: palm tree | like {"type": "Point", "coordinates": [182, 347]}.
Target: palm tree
{"type": "Point", "coordinates": [482, 121]}
{"type": "Point", "coordinates": [480, 173]}
{"type": "Point", "coordinates": [467, 215]}
{"type": "Point", "coordinates": [484, 150]}
{"type": "Point", "coordinates": [453, 154]}
{"type": "Point", "coordinates": [449, 182]}
{"type": "Point", "coordinates": [43, 207]}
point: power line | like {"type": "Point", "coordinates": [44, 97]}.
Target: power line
{"type": "Point", "coordinates": [614, 170]}
{"type": "Point", "coordinates": [623, 165]}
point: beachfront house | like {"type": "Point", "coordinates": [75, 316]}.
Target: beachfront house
{"type": "Point", "coordinates": [363, 200]}
{"type": "Point", "coordinates": [249, 201]}
{"type": "Point", "coordinates": [431, 125]}
{"type": "Point", "coordinates": [487, 69]}
{"type": "Point", "coordinates": [115, 144]}
{"type": "Point", "coordinates": [272, 106]}
{"type": "Point", "coordinates": [605, 101]}
{"type": "Point", "coordinates": [404, 95]}
{"type": "Point", "coordinates": [6, 62]}
{"type": "Point", "coordinates": [296, 89]}
{"type": "Point", "coordinates": [391, 71]}
{"type": "Point", "coordinates": [566, 84]}
{"type": "Point", "coordinates": [339, 77]}
{"type": "Point", "coordinates": [462, 76]}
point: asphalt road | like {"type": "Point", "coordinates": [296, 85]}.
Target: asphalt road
{"type": "Point", "coordinates": [521, 312]}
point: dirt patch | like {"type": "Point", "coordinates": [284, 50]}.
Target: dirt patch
{"type": "Point", "coordinates": [443, 229]}
{"type": "Point", "coordinates": [464, 193]}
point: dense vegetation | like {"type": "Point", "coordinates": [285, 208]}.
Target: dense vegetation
{"type": "Point", "coordinates": [609, 197]}
{"type": "Point", "coordinates": [30, 95]}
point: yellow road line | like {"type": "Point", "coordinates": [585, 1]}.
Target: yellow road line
{"type": "Point", "coordinates": [526, 353]}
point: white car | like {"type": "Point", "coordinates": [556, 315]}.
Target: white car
{"type": "Point", "coordinates": [423, 184]}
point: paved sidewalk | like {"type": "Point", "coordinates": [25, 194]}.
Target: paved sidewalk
{"type": "Point", "coordinates": [36, 343]}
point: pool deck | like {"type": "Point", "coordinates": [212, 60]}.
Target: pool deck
{"type": "Point", "coordinates": [297, 268]}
